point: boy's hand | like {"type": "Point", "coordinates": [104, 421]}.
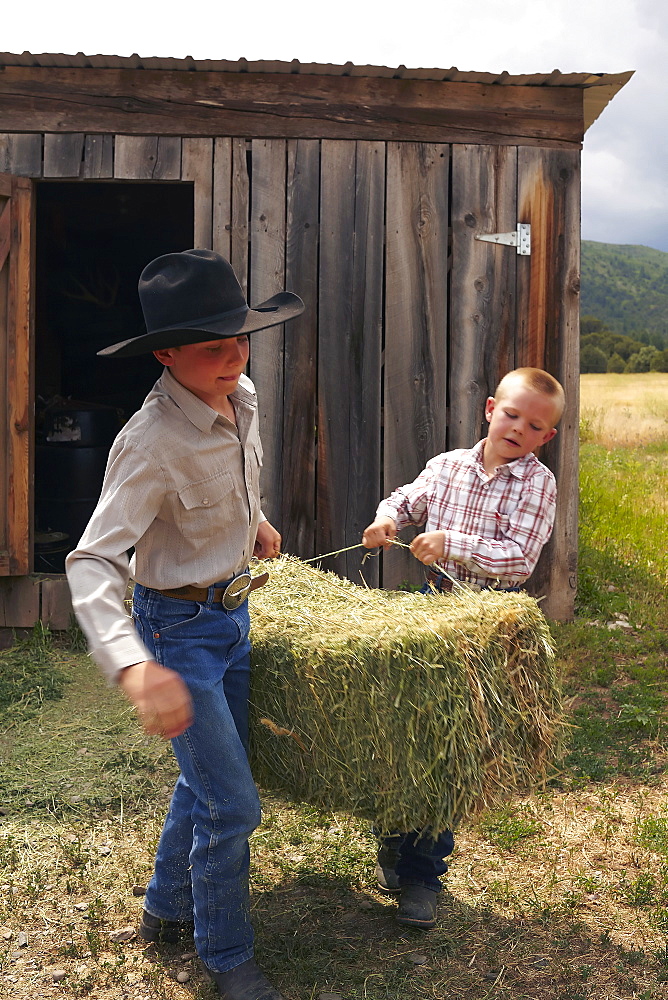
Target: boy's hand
{"type": "Point", "coordinates": [267, 541]}
{"type": "Point", "coordinates": [160, 696]}
{"type": "Point", "coordinates": [380, 532]}
{"type": "Point", "coordinates": [429, 546]}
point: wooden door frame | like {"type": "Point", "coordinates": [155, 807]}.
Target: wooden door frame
{"type": "Point", "coordinates": [17, 270]}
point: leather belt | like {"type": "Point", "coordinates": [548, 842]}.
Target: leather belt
{"type": "Point", "coordinates": [441, 582]}
{"type": "Point", "coordinates": [230, 596]}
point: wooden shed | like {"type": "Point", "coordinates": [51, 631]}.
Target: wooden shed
{"type": "Point", "coordinates": [428, 218]}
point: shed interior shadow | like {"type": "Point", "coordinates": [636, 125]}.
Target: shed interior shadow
{"type": "Point", "coordinates": [92, 242]}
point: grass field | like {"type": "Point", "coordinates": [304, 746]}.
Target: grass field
{"type": "Point", "coordinates": [562, 894]}
{"type": "Point", "coordinates": [624, 411]}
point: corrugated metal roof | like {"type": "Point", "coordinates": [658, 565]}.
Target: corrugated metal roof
{"type": "Point", "coordinates": [599, 88]}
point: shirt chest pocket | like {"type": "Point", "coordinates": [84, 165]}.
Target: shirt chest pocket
{"type": "Point", "coordinates": [253, 467]}
{"type": "Point", "coordinates": [203, 504]}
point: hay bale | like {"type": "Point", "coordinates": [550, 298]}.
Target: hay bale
{"type": "Point", "coordinates": [411, 711]}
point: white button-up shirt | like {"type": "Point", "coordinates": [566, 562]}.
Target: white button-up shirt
{"type": "Point", "coordinates": [182, 487]}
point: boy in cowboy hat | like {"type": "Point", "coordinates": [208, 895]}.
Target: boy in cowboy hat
{"type": "Point", "coordinates": [182, 490]}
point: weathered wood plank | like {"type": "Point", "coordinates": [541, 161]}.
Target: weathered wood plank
{"type": "Point", "coordinates": [548, 337]}
{"type": "Point", "coordinates": [19, 361]}
{"type": "Point", "coordinates": [21, 154]}
{"type": "Point", "coordinates": [267, 276]}
{"type": "Point", "coordinates": [19, 601]}
{"type": "Point", "coordinates": [147, 157]}
{"type": "Point", "coordinates": [98, 156]}
{"type": "Point", "coordinates": [240, 212]}
{"type": "Point", "coordinates": [301, 349]}
{"type": "Point", "coordinates": [5, 230]}
{"type": "Point", "coordinates": [482, 286]}
{"type": "Point", "coordinates": [349, 355]}
{"type": "Point", "coordinates": [222, 197]}
{"type": "Point", "coordinates": [165, 102]}
{"type": "Point", "coordinates": [63, 154]}
{"type": "Point", "coordinates": [415, 324]}
{"type": "Point", "coordinates": [6, 208]}
{"type": "Point", "coordinates": [56, 602]}
{"type": "Point", "coordinates": [336, 330]}
{"type": "Point", "coordinates": [197, 166]}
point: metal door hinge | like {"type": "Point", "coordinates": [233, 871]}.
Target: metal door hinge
{"type": "Point", "coordinates": [521, 238]}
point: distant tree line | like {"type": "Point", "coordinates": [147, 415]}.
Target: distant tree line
{"type": "Point", "coordinates": [626, 287]}
{"type": "Point", "coordinates": [603, 350]}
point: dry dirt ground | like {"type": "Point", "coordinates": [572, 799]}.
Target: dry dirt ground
{"type": "Point", "coordinates": [526, 922]}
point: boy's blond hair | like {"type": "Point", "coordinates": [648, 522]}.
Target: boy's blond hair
{"type": "Point", "coordinates": [538, 381]}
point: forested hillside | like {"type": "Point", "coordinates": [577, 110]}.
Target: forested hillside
{"type": "Point", "coordinates": [626, 287]}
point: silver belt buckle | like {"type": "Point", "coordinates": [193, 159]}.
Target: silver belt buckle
{"type": "Point", "coordinates": [236, 592]}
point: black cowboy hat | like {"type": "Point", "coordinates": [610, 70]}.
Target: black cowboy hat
{"type": "Point", "coordinates": [193, 296]}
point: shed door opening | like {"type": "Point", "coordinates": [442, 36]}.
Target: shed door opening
{"type": "Point", "coordinates": [92, 242]}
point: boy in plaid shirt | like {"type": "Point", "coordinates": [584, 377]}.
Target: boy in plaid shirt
{"type": "Point", "coordinates": [487, 511]}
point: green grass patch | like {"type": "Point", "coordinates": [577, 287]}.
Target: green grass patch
{"type": "Point", "coordinates": [67, 747]}
{"type": "Point", "coordinates": [31, 672]}
{"type": "Point", "coordinates": [647, 889]}
{"type": "Point", "coordinates": [615, 734]}
{"type": "Point", "coordinates": [623, 511]}
{"type": "Point", "coordinates": [507, 827]}
{"type": "Point", "coordinates": [614, 653]}
{"type": "Point", "coordinates": [652, 834]}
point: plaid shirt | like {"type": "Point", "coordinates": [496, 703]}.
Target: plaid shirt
{"type": "Point", "coordinates": [494, 528]}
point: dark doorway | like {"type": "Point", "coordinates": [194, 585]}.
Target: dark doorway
{"type": "Point", "coordinates": [92, 242]}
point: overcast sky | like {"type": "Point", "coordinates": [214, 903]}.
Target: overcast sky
{"type": "Point", "coordinates": [624, 165]}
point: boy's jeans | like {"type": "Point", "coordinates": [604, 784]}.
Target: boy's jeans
{"type": "Point", "coordinates": [201, 865]}
{"type": "Point", "coordinates": [421, 858]}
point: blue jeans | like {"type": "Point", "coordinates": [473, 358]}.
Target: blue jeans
{"type": "Point", "coordinates": [202, 861]}
{"type": "Point", "coordinates": [421, 858]}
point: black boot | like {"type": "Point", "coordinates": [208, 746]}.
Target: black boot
{"type": "Point", "coordinates": [417, 907]}
{"type": "Point", "coordinates": [245, 982]}
{"type": "Point", "coordinates": [160, 931]}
